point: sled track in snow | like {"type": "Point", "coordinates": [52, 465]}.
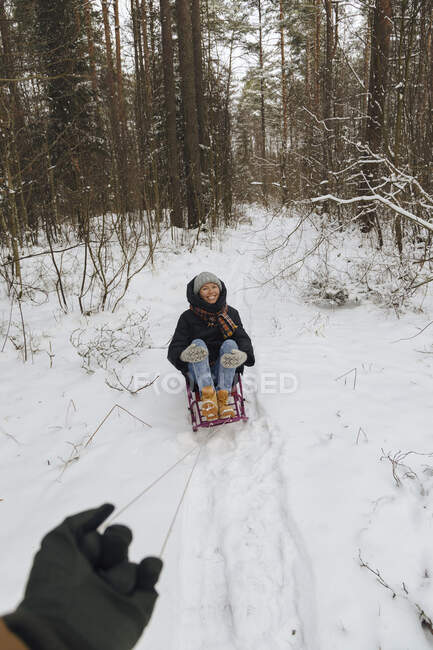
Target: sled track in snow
{"type": "Point", "coordinates": [296, 563]}
{"type": "Point", "coordinates": [247, 581]}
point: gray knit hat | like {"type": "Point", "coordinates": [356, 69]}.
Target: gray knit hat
{"type": "Point", "coordinates": [203, 278]}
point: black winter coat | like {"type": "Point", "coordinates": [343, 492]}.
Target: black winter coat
{"type": "Point", "coordinates": [190, 326]}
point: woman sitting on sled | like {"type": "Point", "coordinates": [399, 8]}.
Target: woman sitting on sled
{"type": "Point", "coordinates": [210, 343]}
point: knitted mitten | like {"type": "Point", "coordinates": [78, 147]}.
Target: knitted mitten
{"type": "Point", "coordinates": [233, 359]}
{"type": "Point", "coordinates": [194, 353]}
{"type": "Point", "coordinates": [224, 409]}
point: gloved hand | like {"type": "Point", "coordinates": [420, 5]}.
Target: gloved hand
{"type": "Point", "coordinates": [194, 353]}
{"type": "Point", "coordinates": [82, 592]}
{"type": "Point", "coordinates": [233, 359]}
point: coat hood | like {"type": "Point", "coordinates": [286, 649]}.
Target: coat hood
{"type": "Point", "coordinates": [197, 301]}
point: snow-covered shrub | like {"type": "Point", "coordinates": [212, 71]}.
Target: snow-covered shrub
{"type": "Point", "coordinates": [327, 264]}
{"type": "Point", "coordinates": [93, 273]}
{"type": "Point", "coordinates": [329, 291]}
{"type": "Point", "coordinates": [25, 341]}
{"type": "Point", "coordinates": [387, 279]}
{"type": "Point", "coordinates": [106, 345]}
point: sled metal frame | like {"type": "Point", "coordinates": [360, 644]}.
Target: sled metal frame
{"type": "Point", "coordinates": [237, 401]}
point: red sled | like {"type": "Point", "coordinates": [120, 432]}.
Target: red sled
{"type": "Point", "coordinates": [237, 401]}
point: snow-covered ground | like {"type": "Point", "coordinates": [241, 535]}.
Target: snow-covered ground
{"type": "Point", "coordinates": [282, 511]}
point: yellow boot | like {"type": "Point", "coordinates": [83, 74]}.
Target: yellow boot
{"type": "Point", "coordinates": [224, 410]}
{"type": "Point", "coordinates": [209, 404]}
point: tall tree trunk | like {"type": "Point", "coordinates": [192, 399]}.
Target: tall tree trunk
{"type": "Point", "coordinates": [308, 75]}
{"type": "Point", "coordinates": [284, 111]}
{"type": "Point", "coordinates": [227, 158]}
{"type": "Point", "coordinates": [118, 170]}
{"type": "Point", "coordinates": [262, 107]}
{"type": "Point", "coordinates": [14, 117]}
{"type": "Point", "coordinates": [141, 120]}
{"type": "Point", "coordinates": [154, 44]}
{"type": "Point", "coordinates": [328, 87]}
{"type": "Point", "coordinates": [147, 69]}
{"type": "Point", "coordinates": [203, 132]}
{"type": "Point", "coordinates": [405, 50]}
{"type": "Point", "coordinates": [366, 70]}
{"type": "Point", "coordinates": [148, 86]}
{"type": "Point", "coordinates": [424, 114]}
{"type": "Point", "coordinates": [170, 111]}
{"type": "Point", "coordinates": [215, 185]}
{"type": "Point", "coordinates": [380, 42]}
{"type": "Point", "coordinates": [401, 85]}
{"type": "Point", "coordinates": [90, 46]}
{"type": "Point", "coordinates": [189, 103]}
{"type": "Point", "coordinates": [14, 226]}
{"type": "Point", "coordinates": [119, 76]}
{"type": "Point", "coordinates": [121, 109]}
{"type": "Point", "coordinates": [316, 75]}
{"type": "Point", "coordinates": [429, 121]}
{"type": "Point", "coordinates": [379, 63]}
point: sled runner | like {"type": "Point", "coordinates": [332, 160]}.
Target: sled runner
{"type": "Point", "coordinates": [237, 401]}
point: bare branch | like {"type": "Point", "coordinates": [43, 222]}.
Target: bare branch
{"type": "Point", "coordinates": [380, 199]}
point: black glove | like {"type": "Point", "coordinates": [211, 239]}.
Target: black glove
{"type": "Point", "coordinates": [82, 593]}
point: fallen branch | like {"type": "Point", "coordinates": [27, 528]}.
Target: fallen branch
{"type": "Point", "coordinates": [415, 335]}
{"type": "Point", "coordinates": [73, 457]}
{"type": "Point", "coordinates": [361, 430]}
{"type": "Point", "coordinates": [127, 388]}
{"type": "Point", "coordinates": [355, 371]}
{"type": "Point", "coordinates": [397, 462]}
{"type": "Point", "coordinates": [106, 418]}
{"type": "Point", "coordinates": [49, 252]}
{"type": "Point", "coordinates": [9, 435]}
{"type": "Point", "coordinates": [376, 573]}
{"type": "Point", "coordinates": [425, 620]}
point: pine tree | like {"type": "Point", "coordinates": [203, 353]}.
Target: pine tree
{"type": "Point", "coordinates": [60, 31]}
{"type": "Point", "coordinates": [189, 105]}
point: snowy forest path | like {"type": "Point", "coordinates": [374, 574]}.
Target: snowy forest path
{"type": "Point", "coordinates": [239, 539]}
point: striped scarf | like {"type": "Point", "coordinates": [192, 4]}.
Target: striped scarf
{"type": "Point", "coordinates": [220, 318]}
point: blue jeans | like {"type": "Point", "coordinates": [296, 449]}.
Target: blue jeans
{"type": "Point", "coordinates": [204, 375]}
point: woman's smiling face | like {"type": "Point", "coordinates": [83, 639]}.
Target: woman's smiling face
{"type": "Point", "coordinates": [210, 292]}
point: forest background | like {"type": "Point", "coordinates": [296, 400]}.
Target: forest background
{"type": "Point", "coordinates": [119, 121]}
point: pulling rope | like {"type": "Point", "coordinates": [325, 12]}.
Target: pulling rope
{"type": "Point", "coordinates": [116, 514]}
{"type": "Point", "coordinates": [157, 480]}
{"type": "Point", "coordinates": [173, 521]}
